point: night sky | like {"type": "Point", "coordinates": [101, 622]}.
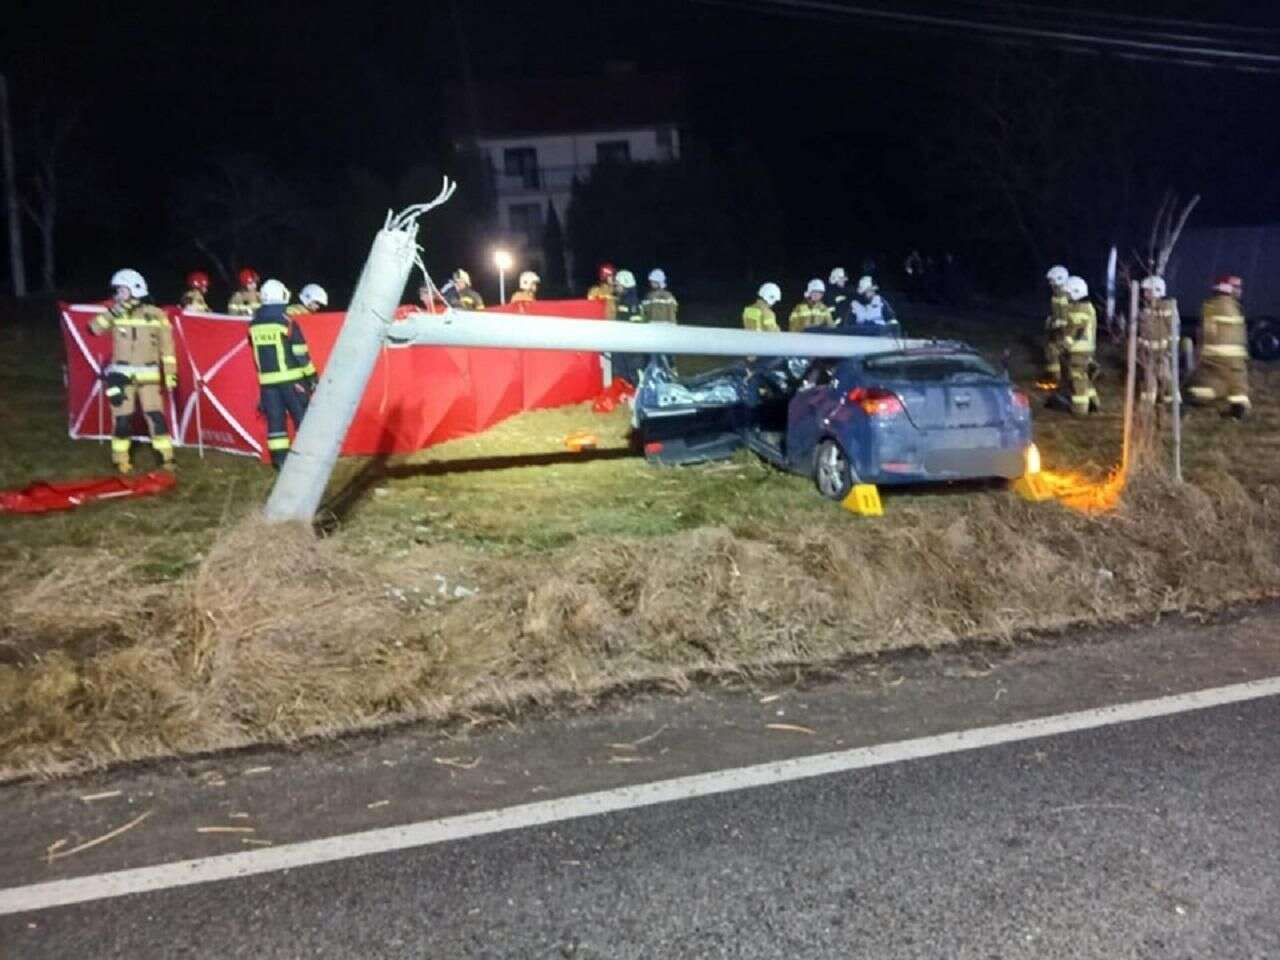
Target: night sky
{"type": "Point", "coordinates": [851, 119]}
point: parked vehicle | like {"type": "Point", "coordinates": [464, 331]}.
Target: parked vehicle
{"type": "Point", "coordinates": [926, 414]}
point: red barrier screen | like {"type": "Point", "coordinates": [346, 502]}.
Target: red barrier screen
{"type": "Point", "coordinates": [416, 397]}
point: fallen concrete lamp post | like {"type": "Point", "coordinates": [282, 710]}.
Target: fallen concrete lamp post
{"type": "Point", "coordinates": [368, 327]}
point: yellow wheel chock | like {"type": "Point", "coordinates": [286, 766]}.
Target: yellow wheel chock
{"type": "Point", "coordinates": [864, 500]}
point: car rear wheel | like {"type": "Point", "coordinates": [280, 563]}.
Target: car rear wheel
{"type": "Point", "coordinates": [832, 472]}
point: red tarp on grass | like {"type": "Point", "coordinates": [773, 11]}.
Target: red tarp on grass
{"type": "Point", "coordinates": [47, 497]}
{"type": "Point", "coordinates": [416, 397]}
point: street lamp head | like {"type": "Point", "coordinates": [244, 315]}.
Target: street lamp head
{"type": "Point", "coordinates": [502, 259]}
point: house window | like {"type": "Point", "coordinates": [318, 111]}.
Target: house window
{"type": "Point", "coordinates": [521, 162]}
{"type": "Point", "coordinates": [613, 151]}
{"type": "Point", "coordinates": [526, 218]}
{"type": "Point", "coordinates": [666, 144]}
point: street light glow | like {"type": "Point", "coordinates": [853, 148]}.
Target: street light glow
{"type": "Point", "coordinates": [502, 259]}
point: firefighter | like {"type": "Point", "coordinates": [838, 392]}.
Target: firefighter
{"type": "Point", "coordinates": [311, 299]}
{"type": "Point", "coordinates": [286, 376]}
{"type": "Point", "coordinates": [811, 311]}
{"type": "Point", "coordinates": [1055, 324]}
{"type": "Point", "coordinates": [1223, 370]}
{"type": "Point", "coordinates": [197, 286]}
{"type": "Point", "coordinates": [1081, 338]}
{"type": "Point", "coordinates": [869, 307]}
{"type": "Point", "coordinates": [660, 304]}
{"type": "Point", "coordinates": [837, 297]}
{"type": "Point", "coordinates": [759, 316]}
{"type": "Point", "coordinates": [1155, 335]}
{"type": "Point", "coordinates": [528, 291]}
{"type": "Point", "coordinates": [604, 289]}
{"type": "Point", "coordinates": [142, 359]}
{"type": "Point", "coordinates": [628, 365]}
{"type": "Point", "coordinates": [460, 294]}
{"type": "Point", "coordinates": [245, 301]}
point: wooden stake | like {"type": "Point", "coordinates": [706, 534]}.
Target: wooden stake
{"type": "Point", "coordinates": [1176, 387]}
{"type": "Point", "coordinates": [1131, 366]}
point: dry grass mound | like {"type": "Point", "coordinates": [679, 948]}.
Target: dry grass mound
{"type": "Point", "coordinates": [277, 635]}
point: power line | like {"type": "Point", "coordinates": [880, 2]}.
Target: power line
{"type": "Point", "coordinates": [1198, 54]}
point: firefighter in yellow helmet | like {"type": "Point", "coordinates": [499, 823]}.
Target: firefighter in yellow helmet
{"type": "Point", "coordinates": [1055, 325]}
{"type": "Point", "coordinates": [1155, 335]}
{"type": "Point", "coordinates": [1081, 337]}
{"type": "Point", "coordinates": [286, 376]}
{"type": "Point", "coordinates": [1223, 370]}
{"type": "Point", "coordinates": [604, 289]}
{"type": "Point", "coordinates": [245, 301]}
{"type": "Point", "coordinates": [142, 361]}
{"type": "Point", "coordinates": [659, 304]}
{"type": "Point", "coordinates": [759, 316]}
{"type": "Point", "coordinates": [528, 291]}
{"type": "Point", "coordinates": [811, 311]}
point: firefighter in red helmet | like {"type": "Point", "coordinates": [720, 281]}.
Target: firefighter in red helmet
{"type": "Point", "coordinates": [197, 287]}
{"type": "Point", "coordinates": [604, 290]}
{"type": "Point", "coordinates": [245, 301]}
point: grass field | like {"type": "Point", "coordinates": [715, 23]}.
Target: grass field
{"type": "Point", "coordinates": [501, 571]}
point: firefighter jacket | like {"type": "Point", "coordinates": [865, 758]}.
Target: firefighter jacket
{"type": "Point", "coordinates": [243, 303]}
{"type": "Point", "coordinates": [875, 310]}
{"type": "Point", "coordinates": [1081, 328]}
{"type": "Point", "coordinates": [1223, 329]}
{"type": "Point", "coordinates": [296, 310]}
{"type": "Point", "coordinates": [605, 292]}
{"type": "Point", "coordinates": [806, 315]}
{"type": "Point", "coordinates": [280, 350]}
{"type": "Point", "coordinates": [660, 306]}
{"type": "Point", "coordinates": [1056, 323]}
{"type": "Point", "coordinates": [461, 298]}
{"type": "Point", "coordinates": [523, 296]}
{"type": "Point", "coordinates": [760, 318]}
{"type": "Point", "coordinates": [141, 342]}
{"type": "Point", "coordinates": [839, 301]}
{"type": "Point", "coordinates": [628, 306]}
{"type": "Point", "coordinates": [194, 301]}
{"type": "Point", "coordinates": [1155, 324]}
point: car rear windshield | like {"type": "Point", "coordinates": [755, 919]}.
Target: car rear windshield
{"type": "Point", "coordinates": [950, 366]}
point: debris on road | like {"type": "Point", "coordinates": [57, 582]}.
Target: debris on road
{"type": "Point", "coordinates": [791, 728]}
{"type": "Point", "coordinates": [225, 830]}
{"type": "Point", "coordinates": [107, 795]}
{"type": "Point", "coordinates": [458, 762]}
{"type": "Point", "coordinates": [56, 853]}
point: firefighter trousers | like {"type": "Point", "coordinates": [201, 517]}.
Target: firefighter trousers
{"type": "Point", "coordinates": [281, 402]}
{"type": "Point", "coordinates": [1083, 394]}
{"type": "Point", "coordinates": [1220, 378]}
{"type": "Point", "coordinates": [150, 398]}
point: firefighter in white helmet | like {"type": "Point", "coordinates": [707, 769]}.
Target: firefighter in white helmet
{"type": "Point", "coordinates": [143, 362]}
{"type": "Point", "coordinates": [869, 308]}
{"type": "Point", "coordinates": [660, 304]}
{"type": "Point", "coordinates": [528, 291]}
{"type": "Point", "coordinates": [759, 316]}
{"type": "Point", "coordinates": [312, 298]}
{"type": "Point", "coordinates": [1081, 343]}
{"type": "Point", "coordinates": [459, 293]}
{"type": "Point", "coordinates": [286, 376]}
{"type": "Point", "coordinates": [811, 311]}
{"type": "Point", "coordinates": [1155, 340]}
{"type": "Point", "coordinates": [1055, 325]}
{"type": "Point", "coordinates": [1223, 370]}
{"type": "Point", "coordinates": [837, 295]}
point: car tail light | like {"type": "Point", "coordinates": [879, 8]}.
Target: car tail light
{"type": "Point", "coordinates": [652, 449]}
{"type": "Point", "coordinates": [876, 402]}
{"type": "Point", "coordinates": [1021, 402]}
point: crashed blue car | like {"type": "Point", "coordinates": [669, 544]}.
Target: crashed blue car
{"type": "Point", "coordinates": [919, 415]}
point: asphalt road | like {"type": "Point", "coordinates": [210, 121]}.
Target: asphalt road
{"type": "Point", "coordinates": [1158, 838]}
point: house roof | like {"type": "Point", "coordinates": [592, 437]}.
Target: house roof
{"type": "Point", "coordinates": [528, 107]}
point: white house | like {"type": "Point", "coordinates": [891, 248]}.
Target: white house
{"type": "Point", "coordinates": [538, 136]}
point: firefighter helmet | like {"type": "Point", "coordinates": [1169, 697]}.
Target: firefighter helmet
{"type": "Point", "coordinates": [658, 277]}
{"type": "Point", "coordinates": [625, 279]}
{"type": "Point", "coordinates": [838, 277]}
{"type": "Point", "coordinates": [529, 280]}
{"type": "Point", "coordinates": [607, 272]}
{"type": "Point", "coordinates": [312, 293]}
{"type": "Point", "coordinates": [247, 276]}
{"type": "Point", "coordinates": [1076, 288]}
{"type": "Point", "coordinates": [198, 280]}
{"type": "Point", "coordinates": [1058, 275]}
{"type": "Point", "coordinates": [1154, 286]}
{"type": "Point", "coordinates": [815, 286]}
{"type": "Point", "coordinates": [866, 284]}
{"type": "Point", "coordinates": [461, 278]}
{"type": "Point", "coordinates": [131, 279]}
{"type": "Point", "coordinates": [1229, 283]}
{"type": "Point", "coordinates": [273, 291]}
{"type": "Point", "coordinates": [770, 293]}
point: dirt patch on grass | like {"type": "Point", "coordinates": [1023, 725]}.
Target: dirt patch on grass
{"type": "Point", "coordinates": [277, 635]}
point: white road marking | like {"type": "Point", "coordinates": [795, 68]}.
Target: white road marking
{"type": "Point", "coordinates": [58, 893]}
